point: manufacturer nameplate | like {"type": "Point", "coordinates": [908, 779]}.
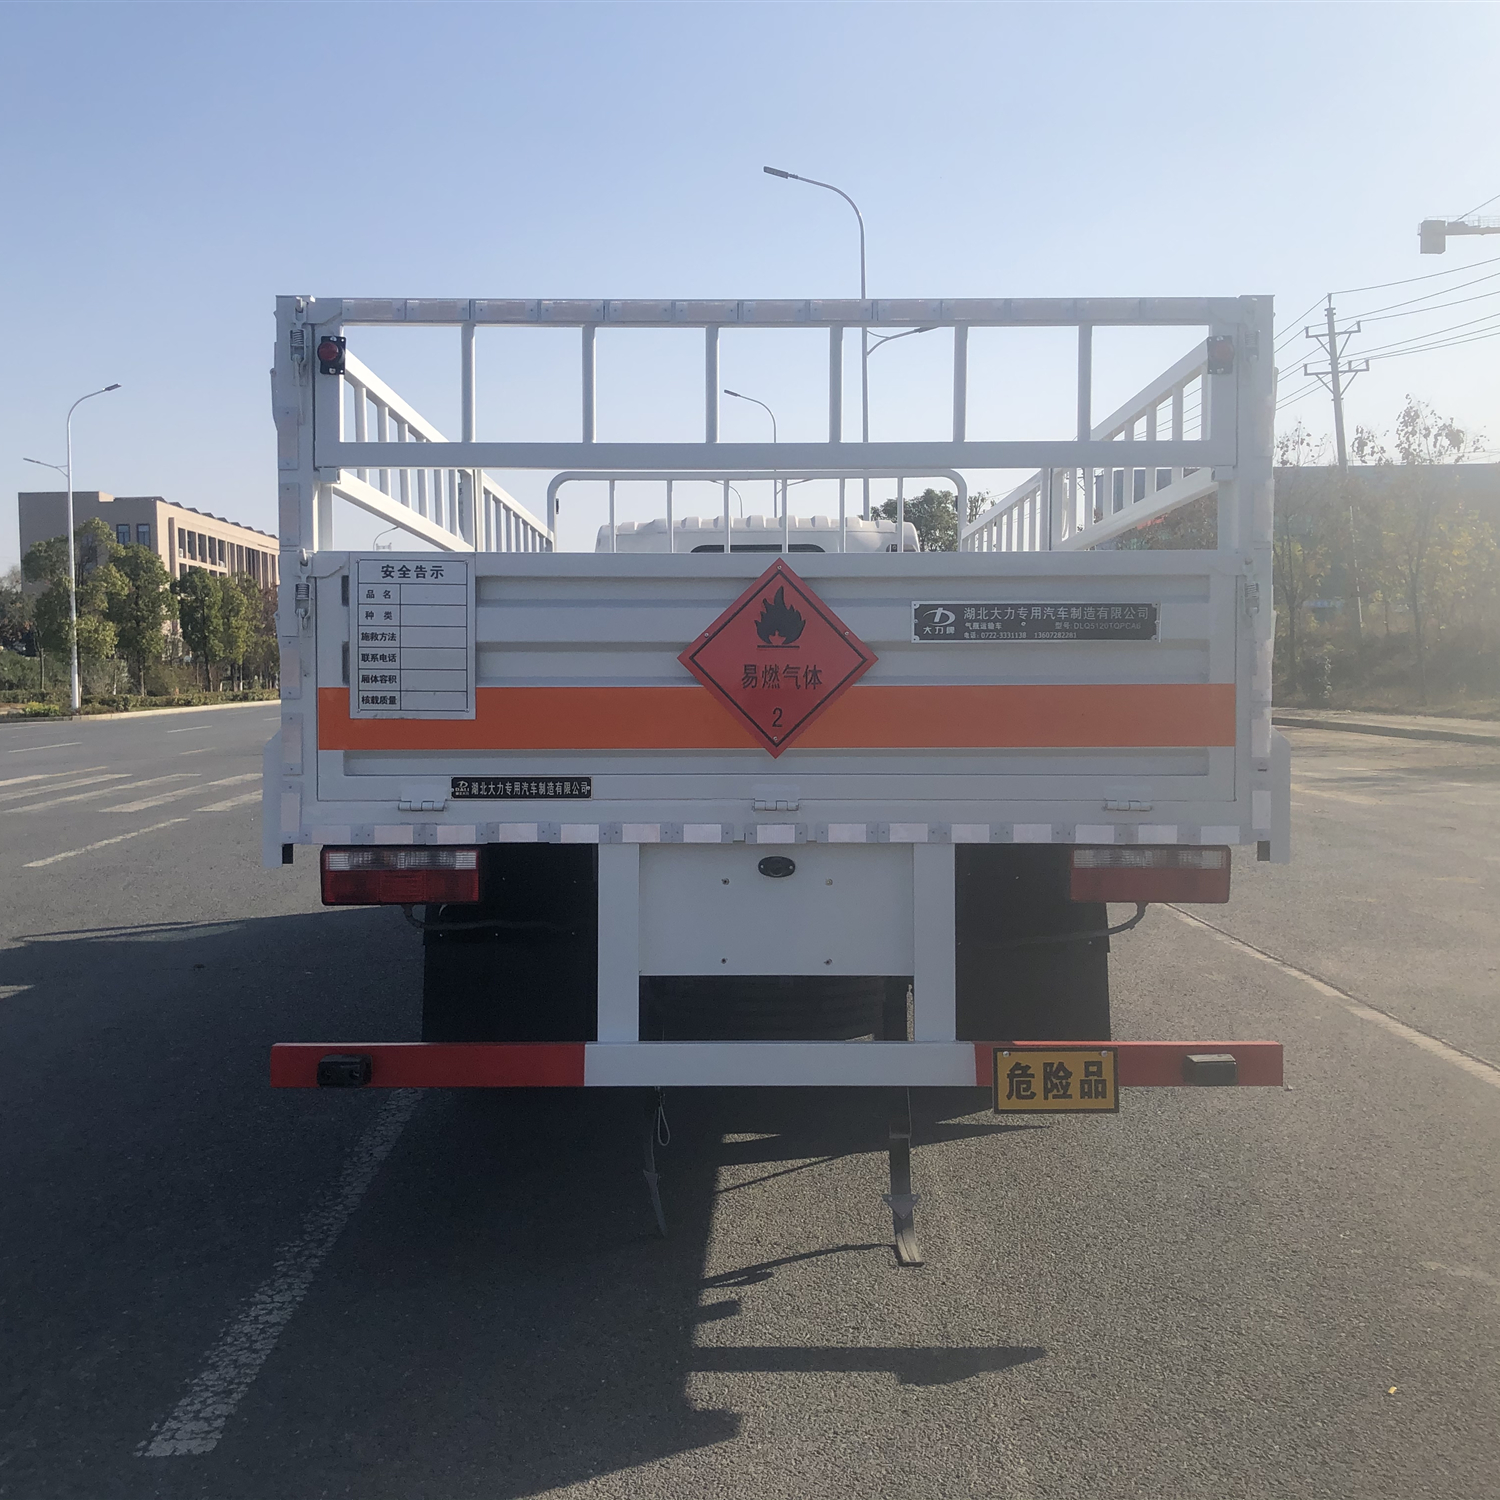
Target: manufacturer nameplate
{"type": "Point", "coordinates": [523, 788]}
{"type": "Point", "coordinates": [963, 623]}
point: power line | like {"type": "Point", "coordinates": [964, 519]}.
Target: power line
{"type": "Point", "coordinates": [1298, 395]}
{"type": "Point", "coordinates": [1473, 338]}
{"type": "Point", "coordinates": [1465, 214]}
{"type": "Point", "coordinates": [1380, 286]}
{"type": "Point", "coordinates": [1292, 330]}
{"type": "Point", "coordinates": [1442, 291]}
{"type": "Point", "coordinates": [1412, 312]}
{"type": "Point", "coordinates": [1431, 333]}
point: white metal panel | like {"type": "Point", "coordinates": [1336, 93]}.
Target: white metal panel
{"type": "Point", "coordinates": [934, 975]}
{"type": "Point", "coordinates": [788, 1064]}
{"type": "Point", "coordinates": [706, 909]}
{"type": "Point", "coordinates": [619, 943]}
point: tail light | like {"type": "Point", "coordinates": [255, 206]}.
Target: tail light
{"type": "Point", "coordinates": [1150, 872]}
{"type": "Point", "coordinates": [399, 877]}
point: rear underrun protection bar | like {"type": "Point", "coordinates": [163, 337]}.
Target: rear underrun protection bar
{"type": "Point", "coordinates": [743, 1064]}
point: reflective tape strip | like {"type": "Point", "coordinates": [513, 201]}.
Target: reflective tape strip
{"type": "Point", "coordinates": [1111, 715]}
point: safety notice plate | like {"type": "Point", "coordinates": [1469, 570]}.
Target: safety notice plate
{"type": "Point", "coordinates": [1055, 1081]}
{"type": "Point", "coordinates": [411, 630]}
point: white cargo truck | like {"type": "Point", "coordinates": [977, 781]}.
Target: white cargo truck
{"type": "Point", "coordinates": [823, 809]}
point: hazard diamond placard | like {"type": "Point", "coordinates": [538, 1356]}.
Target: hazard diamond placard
{"type": "Point", "coordinates": [777, 657]}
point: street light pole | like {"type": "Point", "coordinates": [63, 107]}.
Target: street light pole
{"type": "Point", "coordinates": [76, 692]}
{"type": "Point", "coordinates": [755, 401]}
{"type": "Point", "coordinates": [864, 331]}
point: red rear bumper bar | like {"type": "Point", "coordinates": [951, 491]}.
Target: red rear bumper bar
{"type": "Point", "coordinates": [730, 1064]}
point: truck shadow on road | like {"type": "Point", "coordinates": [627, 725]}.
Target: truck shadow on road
{"type": "Point", "coordinates": [499, 1315]}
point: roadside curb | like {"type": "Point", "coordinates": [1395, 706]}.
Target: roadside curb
{"type": "Point", "coordinates": [1393, 731]}
{"type": "Point", "coordinates": [139, 713]}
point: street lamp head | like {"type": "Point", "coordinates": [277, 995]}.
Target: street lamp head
{"type": "Point", "coordinates": [727, 392]}
{"type": "Point", "coordinates": [114, 387]}
{"type": "Point", "coordinates": [777, 172]}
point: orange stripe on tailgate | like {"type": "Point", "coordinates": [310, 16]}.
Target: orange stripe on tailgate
{"type": "Point", "coordinates": [869, 716]}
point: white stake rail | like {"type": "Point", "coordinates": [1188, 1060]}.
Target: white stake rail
{"type": "Point", "coordinates": [1064, 509]}
{"type": "Point", "coordinates": [1182, 432]}
{"type": "Point", "coordinates": [376, 459]}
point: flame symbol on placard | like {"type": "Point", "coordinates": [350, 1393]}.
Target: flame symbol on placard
{"type": "Point", "coordinates": [779, 623]}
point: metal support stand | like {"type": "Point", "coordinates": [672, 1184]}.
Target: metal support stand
{"type": "Point", "coordinates": [656, 1130]}
{"type": "Point", "coordinates": [901, 1199]}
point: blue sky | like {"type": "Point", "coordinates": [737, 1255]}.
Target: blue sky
{"type": "Point", "coordinates": [166, 170]}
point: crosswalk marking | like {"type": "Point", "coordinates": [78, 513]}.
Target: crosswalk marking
{"type": "Point", "coordinates": [243, 800]}
{"type": "Point", "coordinates": [106, 791]}
{"type": "Point", "coordinates": [186, 791]}
{"type": "Point", "coordinates": [49, 776]}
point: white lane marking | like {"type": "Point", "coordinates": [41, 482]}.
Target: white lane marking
{"type": "Point", "coordinates": [1466, 1273]}
{"type": "Point", "coordinates": [197, 1422]}
{"type": "Point", "coordinates": [58, 776]}
{"type": "Point", "coordinates": [1477, 1067]}
{"type": "Point", "coordinates": [188, 729]}
{"type": "Point", "coordinates": [182, 791]}
{"type": "Point", "coordinates": [65, 745]}
{"type": "Point", "coordinates": [1302, 790]}
{"type": "Point", "coordinates": [201, 750]}
{"type": "Point", "coordinates": [119, 838]}
{"type": "Point", "coordinates": [243, 800]}
{"type": "Point", "coordinates": [107, 791]}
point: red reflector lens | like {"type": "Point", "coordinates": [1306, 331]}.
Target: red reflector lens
{"type": "Point", "coordinates": [1150, 873]}
{"type": "Point", "coordinates": [328, 351]}
{"type": "Point", "coordinates": [399, 877]}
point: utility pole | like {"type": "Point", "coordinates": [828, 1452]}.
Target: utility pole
{"type": "Point", "coordinates": [1333, 343]}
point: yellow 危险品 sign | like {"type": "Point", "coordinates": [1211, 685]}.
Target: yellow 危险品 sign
{"type": "Point", "coordinates": [1056, 1080]}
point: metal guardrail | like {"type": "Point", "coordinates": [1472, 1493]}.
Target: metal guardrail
{"type": "Point", "coordinates": [1073, 508]}
{"type": "Point", "coordinates": [1183, 432]}
{"type": "Point", "coordinates": [436, 495]}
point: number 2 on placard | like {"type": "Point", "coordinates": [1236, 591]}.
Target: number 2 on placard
{"type": "Point", "coordinates": [776, 718]}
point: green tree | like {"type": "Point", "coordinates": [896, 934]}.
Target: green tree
{"type": "Point", "coordinates": [140, 610]}
{"type": "Point", "coordinates": [1422, 524]}
{"type": "Point", "coordinates": [200, 611]}
{"type": "Point", "coordinates": [262, 659]}
{"type": "Point", "coordinates": [237, 616]}
{"type": "Point", "coordinates": [15, 611]}
{"type": "Point", "coordinates": [1301, 544]}
{"type": "Point", "coordinates": [935, 516]}
{"type": "Point", "coordinates": [97, 585]}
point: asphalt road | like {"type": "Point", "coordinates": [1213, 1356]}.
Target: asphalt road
{"type": "Point", "coordinates": [1216, 1293]}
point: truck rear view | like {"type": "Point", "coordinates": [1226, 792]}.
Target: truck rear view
{"type": "Point", "coordinates": [777, 800]}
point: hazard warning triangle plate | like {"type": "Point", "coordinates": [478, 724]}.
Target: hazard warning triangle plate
{"type": "Point", "coordinates": [777, 657]}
